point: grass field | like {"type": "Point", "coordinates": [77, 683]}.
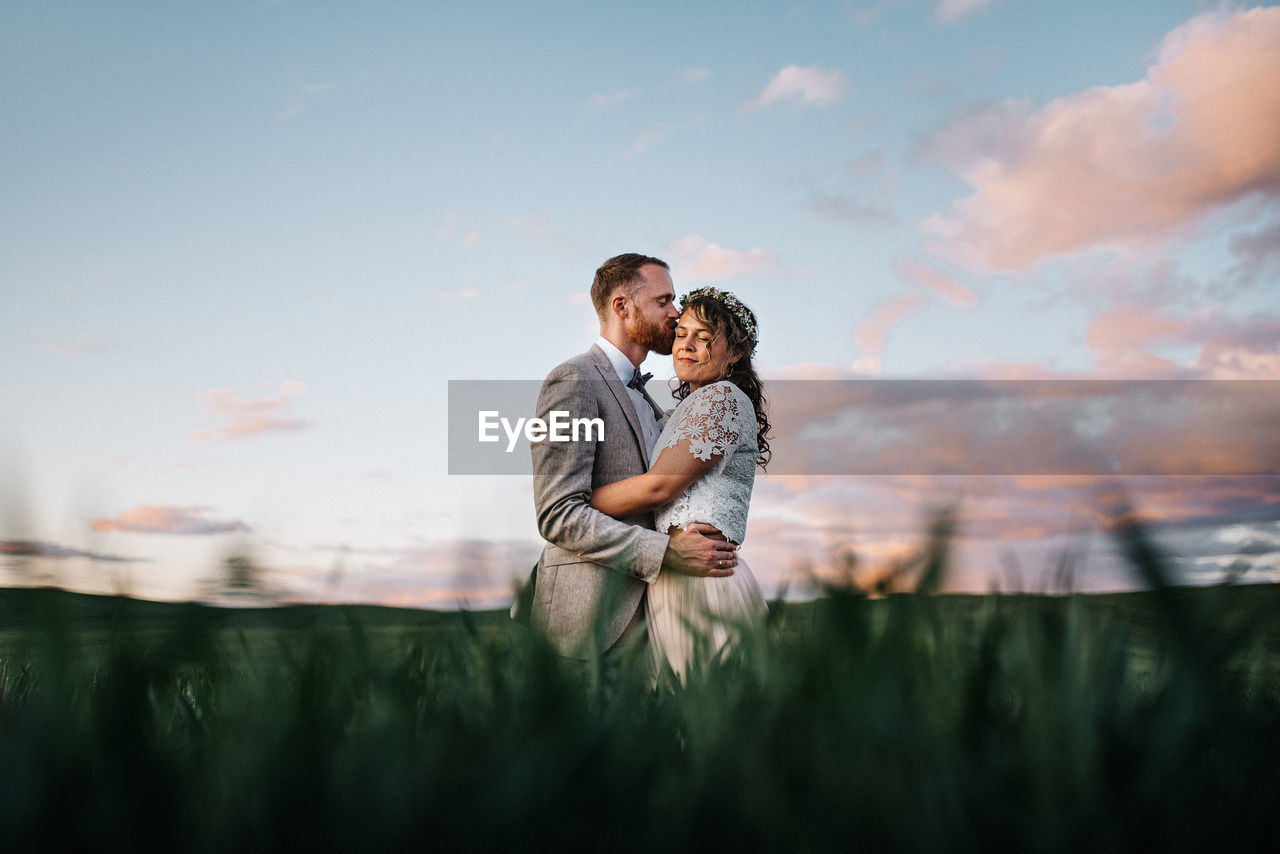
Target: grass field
{"type": "Point", "coordinates": [916, 722]}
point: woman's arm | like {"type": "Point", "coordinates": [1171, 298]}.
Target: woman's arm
{"type": "Point", "coordinates": [675, 470]}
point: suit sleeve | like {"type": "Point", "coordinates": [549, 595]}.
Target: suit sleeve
{"type": "Point", "coordinates": [562, 485]}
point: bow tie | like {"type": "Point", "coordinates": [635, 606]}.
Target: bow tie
{"type": "Point", "coordinates": [638, 380]}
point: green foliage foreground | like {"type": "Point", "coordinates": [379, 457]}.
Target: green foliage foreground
{"type": "Point", "coordinates": [908, 723]}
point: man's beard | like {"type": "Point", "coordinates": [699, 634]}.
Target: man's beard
{"type": "Point", "coordinates": [651, 336]}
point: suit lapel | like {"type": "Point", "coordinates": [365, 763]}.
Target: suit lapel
{"type": "Point", "coordinates": [610, 377]}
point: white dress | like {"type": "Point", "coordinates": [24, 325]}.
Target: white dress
{"type": "Point", "coordinates": [692, 618]}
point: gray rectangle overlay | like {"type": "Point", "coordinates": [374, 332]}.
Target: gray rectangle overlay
{"type": "Point", "coordinates": [941, 427]}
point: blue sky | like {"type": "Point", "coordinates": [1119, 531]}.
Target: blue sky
{"type": "Point", "coordinates": [247, 246]}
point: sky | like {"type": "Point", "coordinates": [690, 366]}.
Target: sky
{"type": "Point", "coordinates": [247, 245]}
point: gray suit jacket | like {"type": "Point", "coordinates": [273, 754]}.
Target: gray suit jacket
{"type": "Point", "coordinates": [594, 569]}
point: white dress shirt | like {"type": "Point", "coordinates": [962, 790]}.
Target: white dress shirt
{"type": "Point", "coordinates": [621, 364]}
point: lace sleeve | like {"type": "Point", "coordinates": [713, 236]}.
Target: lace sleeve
{"type": "Point", "coordinates": [711, 419]}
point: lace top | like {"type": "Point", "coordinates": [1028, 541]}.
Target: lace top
{"type": "Point", "coordinates": [716, 419]}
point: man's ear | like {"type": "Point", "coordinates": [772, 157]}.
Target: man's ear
{"type": "Point", "coordinates": [618, 305]}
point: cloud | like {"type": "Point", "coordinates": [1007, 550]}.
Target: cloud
{"type": "Point", "coordinates": [36, 548]}
{"type": "Point", "coordinates": [249, 418]}
{"type": "Point", "coordinates": [847, 209]}
{"type": "Point", "coordinates": [871, 333]}
{"type": "Point", "coordinates": [692, 76]}
{"type": "Point", "coordinates": [948, 11]}
{"type": "Point", "coordinates": [812, 371]}
{"type": "Point", "coordinates": [1122, 165]}
{"type": "Point", "coordinates": [304, 95]}
{"type": "Point", "coordinates": [451, 234]}
{"type": "Point", "coordinates": [653, 136]}
{"type": "Point", "coordinates": [661, 133]}
{"type": "Point", "coordinates": [871, 165]}
{"type": "Point", "coordinates": [605, 100]}
{"type": "Point", "coordinates": [861, 529]}
{"type": "Point", "coordinates": [805, 525]}
{"type": "Point", "coordinates": [865, 12]}
{"type": "Point", "coordinates": [927, 277]}
{"type": "Point", "coordinates": [158, 519]}
{"type": "Point", "coordinates": [871, 176]}
{"type": "Point", "coordinates": [697, 258]}
{"type": "Point", "coordinates": [1122, 340]}
{"type": "Point", "coordinates": [804, 85]}
{"type": "Point", "coordinates": [1257, 255]}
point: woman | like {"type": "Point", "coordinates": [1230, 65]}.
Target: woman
{"type": "Point", "coordinates": [704, 471]}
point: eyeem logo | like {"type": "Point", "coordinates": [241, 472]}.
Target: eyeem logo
{"type": "Point", "coordinates": [560, 428]}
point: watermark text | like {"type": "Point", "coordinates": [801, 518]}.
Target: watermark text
{"type": "Point", "coordinates": [558, 428]}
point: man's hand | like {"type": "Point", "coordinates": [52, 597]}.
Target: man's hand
{"type": "Point", "coordinates": [701, 550]}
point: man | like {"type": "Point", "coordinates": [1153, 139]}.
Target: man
{"type": "Point", "coordinates": [589, 585]}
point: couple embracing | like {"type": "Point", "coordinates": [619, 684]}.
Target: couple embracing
{"type": "Point", "coordinates": [643, 525]}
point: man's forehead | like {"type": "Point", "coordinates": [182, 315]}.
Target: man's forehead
{"type": "Point", "coordinates": [655, 279]}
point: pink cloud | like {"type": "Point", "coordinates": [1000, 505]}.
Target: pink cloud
{"type": "Point", "coordinates": [1122, 165]}
{"type": "Point", "coordinates": [950, 290]}
{"type": "Point", "coordinates": [697, 258]}
{"type": "Point", "coordinates": [248, 418]}
{"type": "Point", "coordinates": [872, 332]}
{"type": "Point", "coordinates": [158, 519]}
{"type": "Point", "coordinates": [1122, 339]}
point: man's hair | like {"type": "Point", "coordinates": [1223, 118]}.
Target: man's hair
{"type": "Point", "coordinates": [619, 272]}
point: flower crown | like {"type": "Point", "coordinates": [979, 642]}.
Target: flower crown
{"type": "Point", "coordinates": [736, 308]}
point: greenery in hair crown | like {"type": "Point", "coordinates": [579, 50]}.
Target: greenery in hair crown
{"type": "Point", "coordinates": [735, 306]}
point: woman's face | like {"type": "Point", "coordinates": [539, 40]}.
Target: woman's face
{"type": "Point", "coordinates": [698, 359]}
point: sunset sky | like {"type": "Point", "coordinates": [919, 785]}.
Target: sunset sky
{"type": "Point", "coordinates": [247, 245]}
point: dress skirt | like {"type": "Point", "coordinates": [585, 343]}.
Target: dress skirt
{"type": "Point", "coordinates": [694, 620]}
